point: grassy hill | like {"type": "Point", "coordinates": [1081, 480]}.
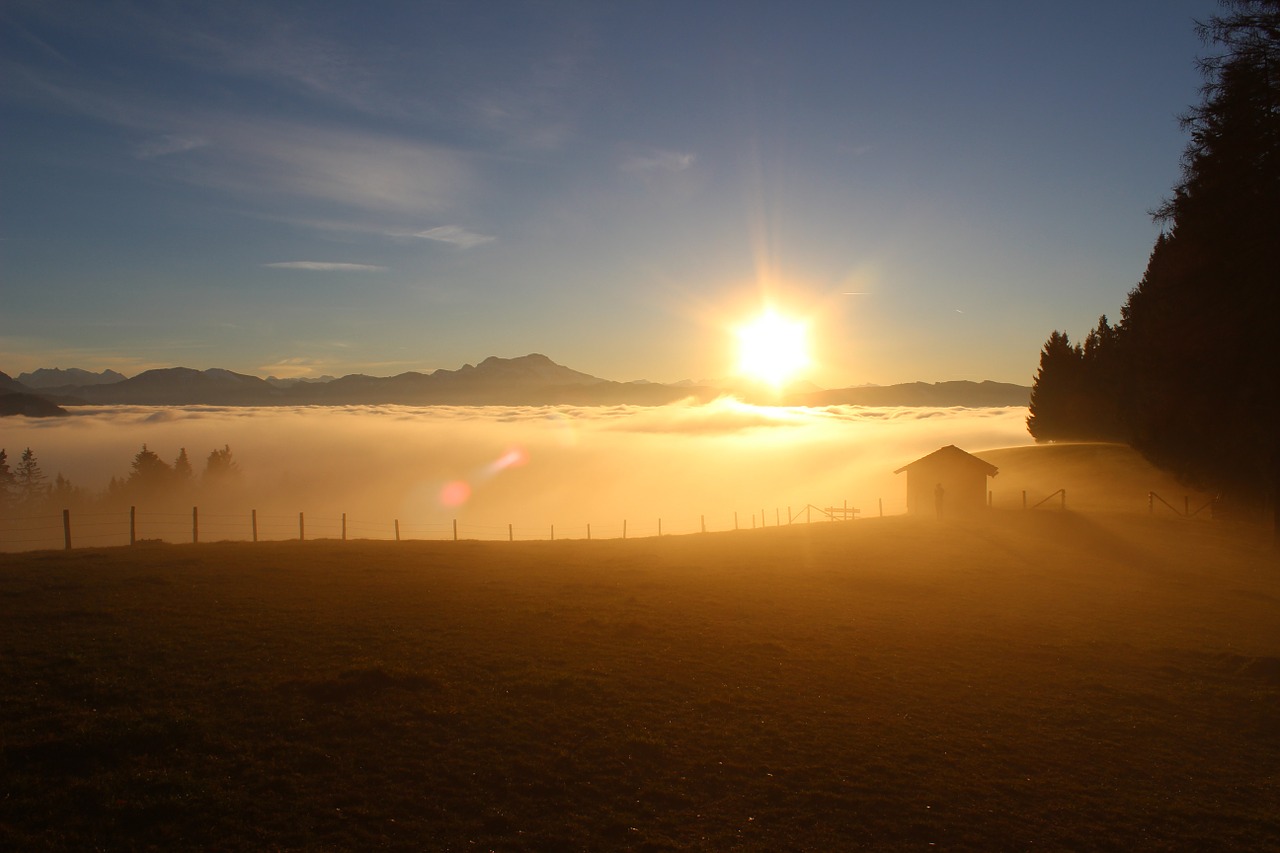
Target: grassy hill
{"type": "Point", "coordinates": [1039, 680]}
{"type": "Point", "coordinates": [1097, 477]}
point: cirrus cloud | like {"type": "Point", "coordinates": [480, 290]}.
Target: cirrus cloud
{"type": "Point", "coordinates": [658, 161]}
{"type": "Point", "coordinates": [325, 266]}
{"type": "Point", "coordinates": [455, 235]}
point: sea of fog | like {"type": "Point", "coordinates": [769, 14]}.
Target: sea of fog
{"type": "Point", "coordinates": [529, 467]}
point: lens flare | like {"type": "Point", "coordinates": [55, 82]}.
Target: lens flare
{"type": "Point", "coordinates": [513, 458]}
{"type": "Point", "coordinates": [455, 493]}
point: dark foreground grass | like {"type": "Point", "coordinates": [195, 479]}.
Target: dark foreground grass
{"type": "Point", "coordinates": [1042, 681]}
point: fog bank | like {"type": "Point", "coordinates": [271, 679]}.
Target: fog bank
{"type": "Point", "coordinates": [530, 467]}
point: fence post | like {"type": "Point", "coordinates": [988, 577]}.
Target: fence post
{"type": "Point", "coordinates": [253, 519]}
{"type": "Point", "coordinates": [624, 528]}
{"type": "Point", "coordinates": [808, 514]}
{"type": "Point", "coordinates": [762, 516]}
{"type": "Point", "coordinates": [1024, 498]}
{"type": "Point", "coordinates": [66, 528]}
{"type": "Point", "coordinates": [511, 534]}
{"type": "Point", "coordinates": [397, 530]}
{"type": "Point", "coordinates": [344, 527]}
{"type": "Point", "coordinates": [989, 497]}
{"type": "Point", "coordinates": [1064, 498]}
{"type": "Point", "coordinates": [133, 525]}
{"type": "Point", "coordinates": [881, 500]}
{"type": "Point", "coordinates": [704, 523]}
{"type": "Point", "coordinates": [659, 528]}
{"type": "Point", "coordinates": [735, 519]}
{"type": "Point", "coordinates": [553, 533]}
{"type": "Point", "coordinates": [455, 530]}
{"type": "Point", "coordinates": [588, 532]}
{"type": "Point", "coordinates": [790, 518]}
{"type": "Point", "coordinates": [777, 517]}
{"type": "Point", "coordinates": [302, 530]}
{"type": "Point", "coordinates": [195, 525]}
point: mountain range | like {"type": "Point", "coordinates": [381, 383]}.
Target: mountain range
{"type": "Point", "coordinates": [523, 381]}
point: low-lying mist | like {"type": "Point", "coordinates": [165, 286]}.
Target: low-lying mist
{"type": "Point", "coordinates": [531, 467]}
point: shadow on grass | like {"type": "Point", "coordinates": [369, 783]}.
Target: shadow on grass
{"type": "Point", "coordinates": [355, 684]}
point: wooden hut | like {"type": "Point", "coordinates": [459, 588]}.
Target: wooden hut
{"type": "Point", "coordinates": [947, 482]}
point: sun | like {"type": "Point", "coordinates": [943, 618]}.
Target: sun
{"type": "Point", "coordinates": [773, 348]}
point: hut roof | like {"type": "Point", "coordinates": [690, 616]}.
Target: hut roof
{"type": "Point", "coordinates": [951, 455]}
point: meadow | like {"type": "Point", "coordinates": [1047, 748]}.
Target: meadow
{"type": "Point", "coordinates": [1038, 679]}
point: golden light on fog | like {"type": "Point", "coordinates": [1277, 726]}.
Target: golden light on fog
{"type": "Point", "coordinates": [773, 348]}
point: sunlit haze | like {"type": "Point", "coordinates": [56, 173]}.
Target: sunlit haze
{"type": "Point", "coordinates": [302, 190]}
{"type": "Point", "coordinates": [531, 466]}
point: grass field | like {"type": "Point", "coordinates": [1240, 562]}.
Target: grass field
{"type": "Point", "coordinates": [1039, 680]}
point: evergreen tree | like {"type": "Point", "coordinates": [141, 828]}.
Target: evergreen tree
{"type": "Point", "coordinates": [63, 495]}
{"type": "Point", "coordinates": [29, 479]}
{"type": "Point", "coordinates": [116, 495]}
{"type": "Point", "coordinates": [150, 475]}
{"type": "Point", "coordinates": [1102, 378]}
{"type": "Point", "coordinates": [182, 467]}
{"type": "Point", "coordinates": [1056, 404]}
{"type": "Point", "coordinates": [7, 482]}
{"type": "Point", "coordinates": [220, 467]}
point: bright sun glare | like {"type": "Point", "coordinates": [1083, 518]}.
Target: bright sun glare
{"type": "Point", "coordinates": [772, 348]}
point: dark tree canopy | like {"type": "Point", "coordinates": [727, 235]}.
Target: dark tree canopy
{"type": "Point", "coordinates": [1075, 391]}
{"type": "Point", "coordinates": [1192, 372]}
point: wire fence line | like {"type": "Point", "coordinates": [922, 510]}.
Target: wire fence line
{"type": "Point", "coordinates": [130, 527]}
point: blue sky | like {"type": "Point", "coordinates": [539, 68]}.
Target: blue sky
{"type": "Point", "coordinates": [311, 188]}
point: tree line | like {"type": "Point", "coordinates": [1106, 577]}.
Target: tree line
{"type": "Point", "coordinates": [1190, 376]}
{"type": "Point", "coordinates": [26, 490]}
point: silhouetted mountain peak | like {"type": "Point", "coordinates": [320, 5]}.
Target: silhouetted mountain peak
{"type": "Point", "coordinates": [534, 368]}
{"type": "Point", "coordinates": [56, 377]}
{"type": "Point", "coordinates": [8, 383]}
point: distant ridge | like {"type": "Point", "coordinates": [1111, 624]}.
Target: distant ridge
{"type": "Point", "coordinates": [17, 403]}
{"type": "Point", "coordinates": [8, 383]}
{"type": "Point", "coordinates": [180, 386]}
{"type": "Point", "coordinates": [528, 380]}
{"type": "Point", "coordinates": [943, 394]}
{"type": "Point", "coordinates": [54, 377]}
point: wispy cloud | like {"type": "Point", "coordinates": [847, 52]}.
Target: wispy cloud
{"type": "Point", "coordinates": [325, 266]}
{"type": "Point", "coordinates": [658, 161]}
{"type": "Point", "coordinates": [455, 235]}
{"type": "Point", "coordinates": [169, 143]}
{"type": "Point", "coordinates": [352, 168]}
{"type": "Point", "coordinates": [245, 154]}
{"type": "Point", "coordinates": [292, 368]}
